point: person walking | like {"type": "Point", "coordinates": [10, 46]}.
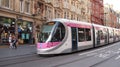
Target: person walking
{"type": "Point", "coordinates": [14, 42]}
{"type": "Point", "coordinates": [10, 41]}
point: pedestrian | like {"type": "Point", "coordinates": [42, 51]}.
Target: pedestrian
{"type": "Point", "coordinates": [14, 42]}
{"type": "Point", "coordinates": [10, 41]}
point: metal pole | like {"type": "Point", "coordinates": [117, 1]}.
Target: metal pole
{"type": "Point", "coordinates": [16, 28]}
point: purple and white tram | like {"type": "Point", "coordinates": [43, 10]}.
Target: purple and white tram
{"type": "Point", "coordinates": [64, 36]}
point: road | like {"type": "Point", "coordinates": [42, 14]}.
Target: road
{"type": "Point", "coordinates": [106, 56]}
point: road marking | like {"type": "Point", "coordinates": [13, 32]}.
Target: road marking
{"type": "Point", "coordinates": [96, 50]}
{"type": "Point", "coordinates": [118, 53]}
{"type": "Point", "coordinates": [102, 55]}
{"type": "Point", "coordinates": [117, 57]}
{"type": "Point", "coordinates": [91, 54]}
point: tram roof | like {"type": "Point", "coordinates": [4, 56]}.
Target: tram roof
{"type": "Point", "coordinates": [70, 21]}
{"type": "Point", "coordinates": [79, 22]}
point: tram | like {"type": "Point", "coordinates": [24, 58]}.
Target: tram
{"type": "Point", "coordinates": [65, 36]}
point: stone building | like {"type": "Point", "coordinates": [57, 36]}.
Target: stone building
{"type": "Point", "coordinates": [110, 16]}
{"type": "Point", "coordinates": [68, 9]}
{"type": "Point", "coordinates": [97, 12]}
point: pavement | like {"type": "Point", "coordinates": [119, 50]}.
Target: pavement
{"type": "Point", "coordinates": [5, 51]}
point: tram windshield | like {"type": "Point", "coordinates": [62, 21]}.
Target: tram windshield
{"type": "Point", "coordinates": [52, 32]}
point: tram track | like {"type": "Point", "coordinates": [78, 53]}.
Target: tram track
{"type": "Point", "coordinates": [103, 61]}
{"type": "Point", "coordinates": [83, 58]}
{"type": "Point", "coordinates": [13, 57]}
{"type": "Point", "coordinates": [20, 59]}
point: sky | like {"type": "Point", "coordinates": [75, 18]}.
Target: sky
{"type": "Point", "coordinates": [115, 3]}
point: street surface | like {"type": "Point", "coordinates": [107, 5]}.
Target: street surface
{"type": "Point", "coordinates": [106, 56]}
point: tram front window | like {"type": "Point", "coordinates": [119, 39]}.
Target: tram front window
{"type": "Point", "coordinates": [58, 33]}
{"type": "Point", "coordinates": [52, 32]}
{"type": "Point", "coordinates": [45, 32]}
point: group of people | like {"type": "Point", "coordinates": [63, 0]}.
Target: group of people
{"type": "Point", "coordinates": [12, 41]}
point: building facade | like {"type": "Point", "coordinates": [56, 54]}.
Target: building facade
{"type": "Point", "coordinates": [68, 9]}
{"type": "Point", "coordinates": [111, 16]}
{"type": "Point", "coordinates": [16, 19]}
{"type": "Point", "coordinates": [97, 12]}
{"type": "Point", "coordinates": [118, 20]}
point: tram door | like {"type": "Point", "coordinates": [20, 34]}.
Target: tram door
{"type": "Point", "coordinates": [74, 39]}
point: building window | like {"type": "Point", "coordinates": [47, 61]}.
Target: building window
{"type": "Point", "coordinates": [57, 14]}
{"type": "Point", "coordinates": [27, 7]}
{"type": "Point", "coordinates": [71, 17]}
{"type": "Point", "coordinates": [77, 18]}
{"type": "Point", "coordinates": [21, 5]}
{"type": "Point", "coordinates": [0, 2]}
{"type": "Point", "coordinates": [5, 3]}
{"type": "Point", "coordinates": [48, 12]}
{"type": "Point", "coordinates": [65, 15]}
{"type": "Point", "coordinates": [40, 8]}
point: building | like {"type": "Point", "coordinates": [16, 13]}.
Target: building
{"type": "Point", "coordinates": [97, 12]}
{"type": "Point", "coordinates": [68, 9]}
{"type": "Point", "coordinates": [118, 20]}
{"type": "Point", "coordinates": [16, 19]}
{"type": "Point", "coordinates": [110, 16]}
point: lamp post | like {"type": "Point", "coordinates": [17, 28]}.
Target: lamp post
{"type": "Point", "coordinates": [105, 19]}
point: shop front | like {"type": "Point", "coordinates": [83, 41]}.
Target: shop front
{"type": "Point", "coordinates": [7, 27]}
{"type": "Point", "coordinates": [25, 29]}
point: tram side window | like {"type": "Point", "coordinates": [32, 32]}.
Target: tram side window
{"type": "Point", "coordinates": [102, 35]}
{"type": "Point", "coordinates": [81, 34]}
{"type": "Point", "coordinates": [84, 34]}
{"type": "Point", "coordinates": [111, 34]}
{"type": "Point", "coordinates": [88, 35]}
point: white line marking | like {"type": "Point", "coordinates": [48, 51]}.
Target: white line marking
{"type": "Point", "coordinates": [103, 55]}
{"type": "Point", "coordinates": [96, 50]}
{"type": "Point", "coordinates": [117, 57]}
{"type": "Point", "coordinates": [91, 54]}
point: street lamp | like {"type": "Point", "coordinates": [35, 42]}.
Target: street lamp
{"type": "Point", "coordinates": [105, 19]}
